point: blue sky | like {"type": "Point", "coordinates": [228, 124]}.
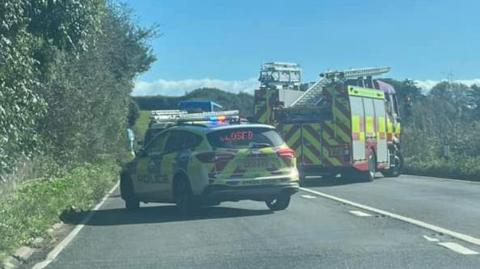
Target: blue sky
{"type": "Point", "coordinates": [223, 43]}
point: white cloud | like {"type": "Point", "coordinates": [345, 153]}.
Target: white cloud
{"type": "Point", "coordinates": [429, 84]}
{"type": "Point", "coordinates": [179, 87]}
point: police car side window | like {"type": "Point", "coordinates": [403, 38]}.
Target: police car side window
{"type": "Point", "coordinates": [180, 140]}
{"type": "Point", "coordinates": [173, 142]}
{"type": "Point", "coordinates": [157, 143]}
{"type": "Point", "coordinates": [191, 140]}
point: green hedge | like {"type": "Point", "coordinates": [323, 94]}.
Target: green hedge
{"type": "Point", "coordinates": [37, 205]}
{"type": "Point", "coordinates": [455, 167]}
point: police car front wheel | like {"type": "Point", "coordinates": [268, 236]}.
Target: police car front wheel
{"type": "Point", "coordinates": [127, 193]}
{"type": "Point", "coordinates": [184, 198]}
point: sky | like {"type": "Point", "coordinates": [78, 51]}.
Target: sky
{"type": "Point", "coordinates": [222, 43]}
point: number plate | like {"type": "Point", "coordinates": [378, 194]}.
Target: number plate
{"type": "Point", "coordinates": [255, 163]}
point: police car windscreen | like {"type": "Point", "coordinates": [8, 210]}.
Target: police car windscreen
{"type": "Point", "coordinates": [245, 138]}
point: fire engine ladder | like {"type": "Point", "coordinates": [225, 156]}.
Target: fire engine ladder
{"type": "Point", "coordinates": [313, 94]}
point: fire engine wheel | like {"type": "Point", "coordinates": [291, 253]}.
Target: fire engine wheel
{"type": "Point", "coordinates": [372, 165]}
{"type": "Point", "coordinates": [396, 169]}
{"type": "Point", "coordinates": [302, 178]}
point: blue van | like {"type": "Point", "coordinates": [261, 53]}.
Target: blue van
{"type": "Point", "coordinates": [195, 106]}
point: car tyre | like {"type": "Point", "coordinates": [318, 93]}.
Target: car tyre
{"type": "Point", "coordinates": [127, 193]}
{"type": "Point", "coordinates": [279, 202]}
{"type": "Point", "coordinates": [184, 199]}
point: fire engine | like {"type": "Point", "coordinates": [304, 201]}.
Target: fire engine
{"type": "Point", "coordinates": [345, 123]}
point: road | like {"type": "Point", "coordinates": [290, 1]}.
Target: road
{"type": "Point", "coordinates": [314, 232]}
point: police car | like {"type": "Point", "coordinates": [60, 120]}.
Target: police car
{"type": "Point", "coordinates": [207, 158]}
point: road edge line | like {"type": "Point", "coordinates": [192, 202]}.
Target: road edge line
{"type": "Point", "coordinates": [66, 241]}
{"type": "Point", "coordinates": [457, 235]}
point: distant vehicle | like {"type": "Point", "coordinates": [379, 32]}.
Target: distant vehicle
{"type": "Point", "coordinates": [346, 123]}
{"type": "Point", "coordinates": [196, 106]}
{"type": "Point", "coordinates": [208, 158]}
{"type": "Point", "coordinates": [191, 106]}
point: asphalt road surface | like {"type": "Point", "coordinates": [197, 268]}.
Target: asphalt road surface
{"type": "Point", "coordinates": [314, 232]}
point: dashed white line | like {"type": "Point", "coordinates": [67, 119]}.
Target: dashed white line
{"type": "Point", "coordinates": [431, 239]}
{"type": "Point", "coordinates": [54, 253]}
{"type": "Point", "coordinates": [308, 196]}
{"type": "Point", "coordinates": [359, 213]}
{"type": "Point", "coordinates": [458, 248]}
{"type": "Point", "coordinates": [464, 237]}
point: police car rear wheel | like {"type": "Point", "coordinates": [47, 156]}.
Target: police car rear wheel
{"type": "Point", "coordinates": [279, 202]}
{"type": "Point", "coordinates": [183, 196]}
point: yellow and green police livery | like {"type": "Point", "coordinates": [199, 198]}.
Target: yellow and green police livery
{"type": "Point", "coordinates": [207, 163]}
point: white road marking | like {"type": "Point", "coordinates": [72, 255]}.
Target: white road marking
{"type": "Point", "coordinates": [359, 213]}
{"type": "Point", "coordinates": [458, 248]}
{"type": "Point", "coordinates": [59, 248]}
{"type": "Point", "coordinates": [308, 196]}
{"type": "Point", "coordinates": [457, 235]}
{"type": "Point", "coordinates": [431, 239]}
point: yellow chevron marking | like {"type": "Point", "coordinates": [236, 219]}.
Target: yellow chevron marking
{"type": "Point", "coordinates": [314, 158]}
{"type": "Point", "coordinates": [339, 132]}
{"type": "Point", "coordinates": [341, 117]}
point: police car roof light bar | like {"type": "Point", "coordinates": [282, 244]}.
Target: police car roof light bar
{"type": "Point", "coordinates": [183, 116]}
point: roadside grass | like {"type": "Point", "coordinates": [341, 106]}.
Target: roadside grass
{"type": "Point", "coordinates": [141, 125]}
{"type": "Point", "coordinates": [37, 204]}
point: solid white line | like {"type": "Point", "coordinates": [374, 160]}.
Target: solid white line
{"type": "Point", "coordinates": [59, 248]}
{"type": "Point", "coordinates": [431, 239]}
{"type": "Point", "coordinates": [457, 235]}
{"type": "Point", "coordinates": [458, 248]}
{"type": "Point", "coordinates": [308, 196]}
{"type": "Point", "coordinates": [359, 213]}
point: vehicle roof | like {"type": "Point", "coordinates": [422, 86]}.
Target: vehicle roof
{"type": "Point", "coordinates": [209, 128]}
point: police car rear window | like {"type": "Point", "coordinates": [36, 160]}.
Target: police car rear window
{"type": "Point", "coordinates": [245, 138]}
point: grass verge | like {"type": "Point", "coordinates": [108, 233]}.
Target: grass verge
{"type": "Point", "coordinates": [36, 205]}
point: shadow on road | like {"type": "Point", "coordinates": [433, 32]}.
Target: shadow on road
{"type": "Point", "coordinates": [328, 182]}
{"type": "Point", "coordinates": [156, 214]}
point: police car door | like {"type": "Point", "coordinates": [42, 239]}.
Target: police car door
{"type": "Point", "coordinates": [176, 158]}
{"type": "Point", "coordinates": [149, 173]}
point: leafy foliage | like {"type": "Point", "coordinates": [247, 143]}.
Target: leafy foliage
{"type": "Point", "coordinates": [439, 129]}
{"type": "Point", "coordinates": [66, 73]}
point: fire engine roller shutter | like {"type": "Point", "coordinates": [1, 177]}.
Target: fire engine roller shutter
{"type": "Point", "coordinates": [358, 128]}
{"type": "Point", "coordinates": [382, 150]}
